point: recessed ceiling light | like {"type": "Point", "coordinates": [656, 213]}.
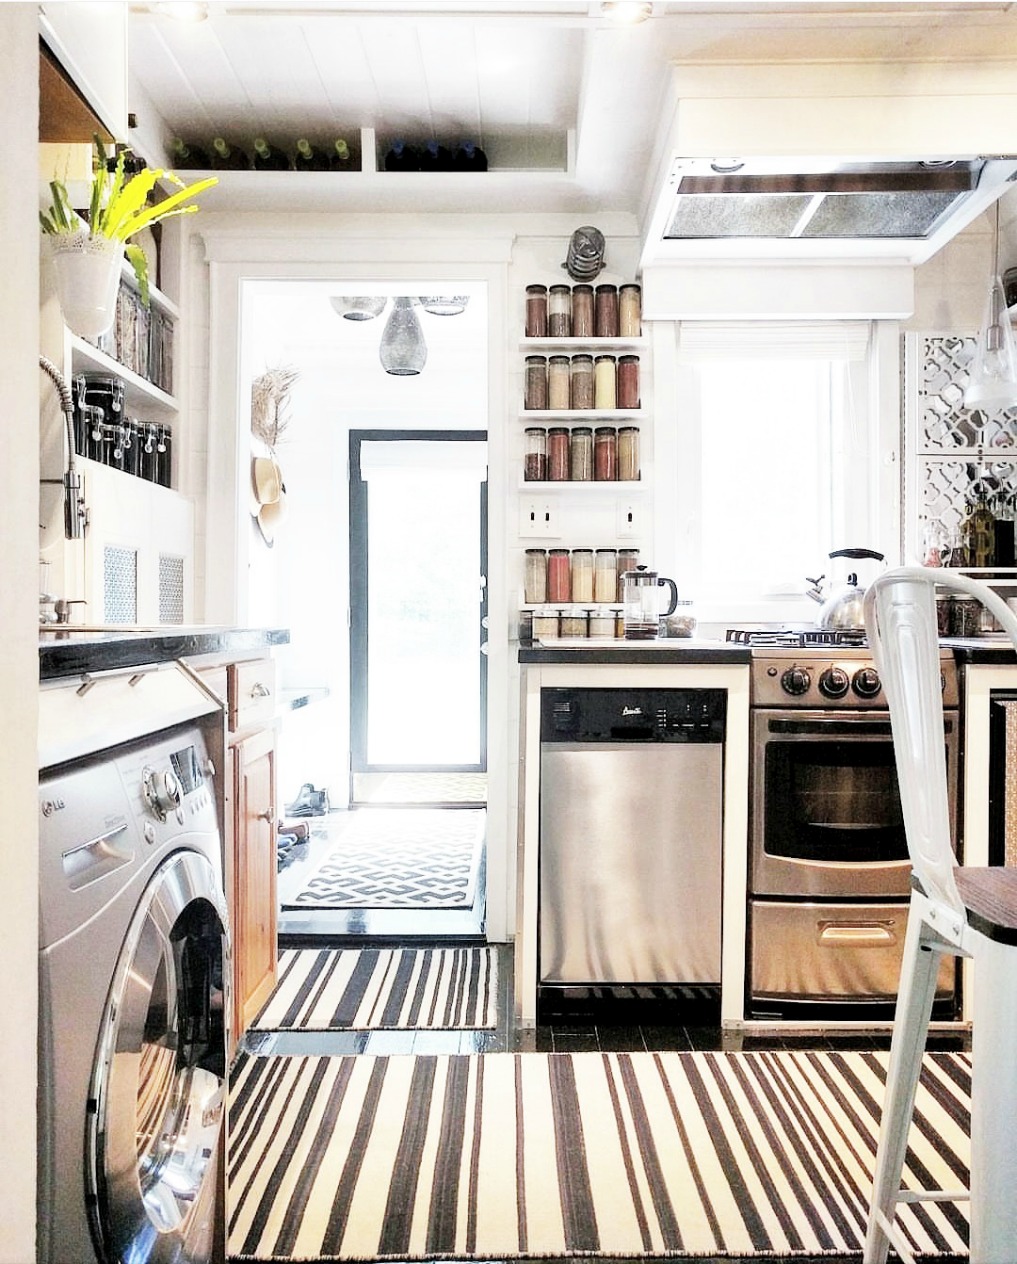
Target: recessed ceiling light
{"type": "Point", "coordinates": [626, 12]}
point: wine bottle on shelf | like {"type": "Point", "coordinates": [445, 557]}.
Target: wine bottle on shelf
{"type": "Point", "coordinates": [435, 157]}
{"type": "Point", "coordinates": [307, 158]}
{"type": "Point", "coordinates": [470, 157]}
{"type": "Point", "coordinates": [269, 157]}
{"type": "Point", "coordinates": [340, 158]}
{"type": "Point", "coordinates": [191, 157]}
{"type": "Point", "coordinates": [401, 157]}
{"type": "Point", "coordinates": [227, 157]}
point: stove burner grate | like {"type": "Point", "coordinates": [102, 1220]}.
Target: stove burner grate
{"type": "Point", "coordinates": [797, 638]}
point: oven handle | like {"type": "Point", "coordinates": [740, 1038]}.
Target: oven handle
{"type": "Point", "coordinates": [856, 934]}
{"type": "Point", "coordinates": [839, 728]}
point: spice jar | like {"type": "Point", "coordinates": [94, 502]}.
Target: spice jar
{"type": "Point", "coordinates": [535, 384]}
{"type": "Point", "coordinates": [558, 383]}
{"type": "Point", "coordinates": [605, 454]}
{"type": "Point", "coordinates": [581, 454]}
{"type": "Point", "coordinates": [536, 311]}
{"type": "Point", "coordinates": [601, 623]}
{"type": "Point", "coordinates": [628, 560]}
{"type": "Point", "coordinates": [582, 574]}
{"type": "Point", "coordinates": [582, 311]}
{"type": "Point", "coordinates": [630, 311]}
{"type": "Point", "coordinates": [558, 454]}
{"type": "Point", "coordinates": [605, 314]}
{"type": "Point", "coordinates": [605, 575]}
{"type": "Point", "coordinates": [559, 311]}
{"type": "Point", "coordinates": [628, 381]}
{"type": "Point", "coordinates": [545, 623]}
{"type": "Point", "coordinates": [582, 381]}
{"type": "Point", "coordinates": [628, 453]}
{"type": "Point", "coordinates": [535, 459]}
{"type": "Point", "coordinates": [559, 583]}
{"type": "Point", "coordinates": [604, 394]}
{"type": "Point", "coordinates": [573, 623]}
{"type": "Point", "coordinates": [535, 578]}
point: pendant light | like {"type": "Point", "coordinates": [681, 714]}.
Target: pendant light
{"type": "Point", "coordinates": [359, 307]}
{"type": "Point", "coordinates": [402, 351]}
{"type": "Point", "coordinates": [993, 382]}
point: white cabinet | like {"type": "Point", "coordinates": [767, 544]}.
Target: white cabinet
{"type": "Point", "coordinates": [89, 40]}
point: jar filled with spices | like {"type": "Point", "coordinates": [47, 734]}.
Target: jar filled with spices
{"type": "Point", "coordinates": [535, 459]}
{"type": "Point", "coordinates": [605, 311]}
{"type": "Point", "coordinates": [559, 582]}
{"type": "Point", "coordinates": [535, 385]}
{"type": "Point", "coordinates": [582, 381]}
{"type": "Point", "coordinates": [558, 454]}
{"type": "Point", "coordinates": [535, 578]}
{"type": "Point", "coordinates": [630, 311]}
{"type": "Point", "coordinates": [559, 311]}
{"type": "Point", "coordinates": [628, 560]}
{"type": "Point", "coordinates": [601, 623]}
{"type": "Point", "coordinates": [628, 381]}
{"type": "Point", "coordinates": [545, 623]}
{"type": "Point", "coordinates": [582, 574]}
{"type": "Point", "coordinates": [628, 453]}
{"type": "Point", "coordinates": [605, 575]}
{"type": "Point", "coordinates": [574, 623]}
{"type": "Point", "coordinates": [582, 312]}
{"type": "Point", "coordinates": [536, 311]}
{"type": "Point", "coordinates": [558, 383]}
{"type": "Point", "coordinates": [581, 454]}
{"type": "Point", "coordinates": [604, 389]}
{"type": "Point", "coordinates": [605, 454]}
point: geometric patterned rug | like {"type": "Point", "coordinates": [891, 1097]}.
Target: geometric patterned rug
{"type": "Point", "coordinates": [548, 1156]}
{"type": "Point", "coordinates": [382, 989]}
{"type": "Point", "coordinates": [426, 858]}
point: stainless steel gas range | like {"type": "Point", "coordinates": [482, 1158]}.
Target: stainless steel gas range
{"type": "Point", "coordinates": [828, 879]}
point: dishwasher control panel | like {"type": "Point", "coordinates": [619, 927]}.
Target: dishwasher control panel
{"type": "Point", "coordinates": [632, 715]}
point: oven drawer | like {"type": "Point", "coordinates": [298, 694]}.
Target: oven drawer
{"type": "Point", "coordinates": [831, 952]}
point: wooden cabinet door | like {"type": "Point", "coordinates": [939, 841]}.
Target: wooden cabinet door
{"type": "Point", "coordinates": [255, 914]}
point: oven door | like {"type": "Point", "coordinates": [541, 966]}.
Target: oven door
{"type": "Point", "coordinates": [826, 814]}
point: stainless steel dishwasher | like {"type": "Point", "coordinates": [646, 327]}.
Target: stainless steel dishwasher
{"type": "Point", "coordinates": [631, 785]}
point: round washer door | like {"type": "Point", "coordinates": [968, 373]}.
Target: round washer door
{"type": "Point", "coordinates": [159, 1084]}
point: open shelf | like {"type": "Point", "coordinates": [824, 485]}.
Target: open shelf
{"type": "Point", "coordinates": [140, 395]}
{"type": "Point", "coordinates": [623, 486]}
{"type": "Point", "coordinates": [604, 345]}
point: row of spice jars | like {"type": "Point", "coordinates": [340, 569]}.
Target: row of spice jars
{"type": "Point", "coordinates": [553, 622]}
{"type": "Point", "coordinates": [582, 311]}
{"type": "Point", "coordinates": [581, 455]}
{"type": "Point", "coordinates": [576, 574]}
{"type": "Point", "coordinates": [562, 382]}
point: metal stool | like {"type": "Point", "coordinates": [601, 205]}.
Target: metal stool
{"type": "Point", "coordinates": [964, 912]}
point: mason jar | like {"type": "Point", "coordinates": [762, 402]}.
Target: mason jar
{"type": "Point", "coordinates": [605, 454]}
{"type": "Point", "coordinates": [630, 311]}
{"type": "Point", "coordinates": [535, 458]}
{"type": "Point", "coordinates": [536, 311]}
{"type": "Point", "coordinates": [605, 575]}
{"type": "Point", "coordinates": [582, 312]}
{"type": "Point", "coordinates": [535, 579]}
{"type": "Point", "coordinates": [582, 381]}
{"type": "Point", "coordinates": [606, 311]}
{"type": "Point", "coordinates": [581, 454]}
{"type": "Point", "coordinates": [535, 382]}
{"type": "Point", "coordinates": [559, 311]}
{"type": "Point", "coordinates": [558, 454]}
{"type": "Point", "coordinates": [582, 574]}
{"type": "Point", "coordinates": [604, 393]}
{"type": "Point", "coordinates": [628, 381]}
{"type": "Point", "coordinates": [559, 580]}
{"type": "Point", "coordinates": [628, 453]}
{"type": "Point", "coordinates": [559, 384]}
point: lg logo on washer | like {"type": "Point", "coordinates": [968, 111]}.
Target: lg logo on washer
{"type": "Point", "coordinates": [49, 806]}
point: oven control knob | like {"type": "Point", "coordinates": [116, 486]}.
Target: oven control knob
{"type": "Point", "coordinates": [796, 680]}
{"type": "Point", "coordinates": [161, 790]}
{"type": "Point", "coordinates": [865, 682]}
{"type": "Point", "coordinates": [834, 682]}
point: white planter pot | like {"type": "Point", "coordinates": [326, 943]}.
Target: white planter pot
{"type": "Point", "coordinates": [88, 277]}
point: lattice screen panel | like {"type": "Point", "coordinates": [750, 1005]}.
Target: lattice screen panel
{"type": "Point", "coordinates": [120, 585]}
{"type": "Point", "coordinates": [171, 588]}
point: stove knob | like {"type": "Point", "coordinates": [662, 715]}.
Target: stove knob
{"type": "Point", "coordinates": [796, 680]}
{"type": "Point", "coordinates": [161, 790]}
{"type": "Point", "coordinates": [834, 682]}
{"type": "Point", "coordinates": [865, 682]}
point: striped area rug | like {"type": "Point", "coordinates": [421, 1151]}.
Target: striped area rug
{"type": "Point", "coordinates": [532, 1155]}
{"type": "Point", "coordinates": [368, 989]}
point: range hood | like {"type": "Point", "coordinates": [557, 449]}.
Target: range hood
{"type": "Point", "coordinates": [820, 208]}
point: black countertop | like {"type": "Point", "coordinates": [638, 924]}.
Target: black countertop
{"type": "Point", "coordinates": [673, 650]}
{"type": "Point", "coordinates": [993, 650]}
{"type": "Point", "coordinates": [63, 651]}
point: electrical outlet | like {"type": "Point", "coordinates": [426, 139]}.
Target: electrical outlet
{"type": "Point", "coordinates": [537, 519]}
{"type": "Point", "coordinates": [629, 519]}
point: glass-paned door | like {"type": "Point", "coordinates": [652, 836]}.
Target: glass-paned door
{"type": "Point", "coordinates": [418, 605]}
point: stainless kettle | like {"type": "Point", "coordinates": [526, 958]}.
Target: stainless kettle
{"type": "Point", "coordinates": [842, 605]}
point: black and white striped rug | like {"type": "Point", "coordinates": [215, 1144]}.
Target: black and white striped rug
{"type": "Point", "coordinates": [531, 1155]}
{"type": "Point", "coordinates": [369, 989]}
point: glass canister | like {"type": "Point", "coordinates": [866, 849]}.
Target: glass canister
{"type": "Point", "coordinates": [535, 458]}
{"type": "Point", "coordinates": [581, 454]}
{"type": "Point", "coordinates": [628, 453]}
{"type": "Point", "coordinates": [582, 575]}
{"type": "Point", "coordinates": [574, 623]}
{"type": "Point", "coordinates": [559, 311]}
{"type": "Point", "coordinates": [628, 560]}
{"type": "Point", "coordinates": [605, 575]}
{"type": "Point", "coordinates": [582, 312]}
{"type": "Point", "coordinates": [628, 381]}
{"type": "Point", "coordinates": [535, 580]}
{"type": "Point", "coordinates": [605, 454]}
{"type": "Point", "coordinates": [536, 311]}
{"type": "Point", "coordinates": [604, 393]}
{"type": "Point", "coordinates": [558, 454]}
{"type": "Point", "coordinates": [535, 384]}
{"type": "Point", "coordinates": [682, 621]}
{"type": "Point", "coordinates": [558, 383]}
{"type": "Point", "coordinates": [559, 581]}
{"type": "Point", "coordinates": [605, 311]}
{"type": "Point", "coordinates": [545, 623]}
{"type": "Point", "coordinates": [630, 318]}
{"type": "Point", "coordinates": [582, 381]}
{"type": "Point", "coordinates": [601, 623]}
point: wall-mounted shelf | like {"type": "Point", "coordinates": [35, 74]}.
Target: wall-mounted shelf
{"type": "Point", "coordinates": [551, 415]}
{"type": "Point", "coordinates": [604, 345]}
{"type": "Point", "coordinates": [622, 487]}
{"type": "Point", "coordinates": [140, 395]}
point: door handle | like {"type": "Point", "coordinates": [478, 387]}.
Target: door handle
{"type": "Point", "coordinates": [859, 935]}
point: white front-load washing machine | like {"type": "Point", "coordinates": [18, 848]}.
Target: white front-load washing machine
{"type": "Point", "coordinates": [134, 1003]}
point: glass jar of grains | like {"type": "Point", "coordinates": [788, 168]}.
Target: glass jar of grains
{"type": "Point", "coordinates": [604, 394]}
{"type": "Point", "coordinates": [605, 454]}
{"type": "Point", "coordinates": [582, 574]}
{"type": "Point", "coordinates": [535, 458]}
{"type": "Point", "coordinates": [628, 453]}
{"type": "Point", "coordinates": [582, 381]}
{"type": "Point", "coordinates": [558, 383]}
{"type": "Point", "coordinates": [605, 575]}
{"type": "Point", "coordinates": [559, 311]}
{"type": "Point", "coordinates": [629, 311]}
{"type": "Point", "coordinates": [628, 381]}
{"type": "Point", "coordinates": [535, 384]}
{"type": "Point", "coordinates": [536, 311]}
{"type": "Point", "coordinates": [535, 578]}
{"type": "Point", "coordinates": [581, 454]}
{"type": "Point", "coordinates": [605, 312]}
{"type": "Point", "coordinates": [582, 311]}
{"type": "Point", "coordinates": [558, 454]}
{"type": "Point", "coordinates": [559, 581]}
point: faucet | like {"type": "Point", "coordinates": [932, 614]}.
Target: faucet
{"type": "Point", "coordinates": [75, 513]}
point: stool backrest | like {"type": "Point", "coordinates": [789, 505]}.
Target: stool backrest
{"type": "Point", "coordinates": [900, 617]}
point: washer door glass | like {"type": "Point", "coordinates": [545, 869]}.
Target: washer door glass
{"type": "Point", "coordinates": [160, 1078]}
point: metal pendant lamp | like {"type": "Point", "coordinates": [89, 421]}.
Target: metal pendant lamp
{"type": "Point", "coordinates": [403, 351]}
{"type": "Point", "coordinates": [993, 381]}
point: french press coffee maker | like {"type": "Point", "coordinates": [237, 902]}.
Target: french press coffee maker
{"type": "Point", "coordinates": [641, 603]}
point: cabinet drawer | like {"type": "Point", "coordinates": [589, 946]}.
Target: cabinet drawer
{"type": "Point", "coordinates": [251, 693]}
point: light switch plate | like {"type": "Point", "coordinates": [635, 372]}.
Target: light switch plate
{"type": "Point", "coordinates": [538, 519]}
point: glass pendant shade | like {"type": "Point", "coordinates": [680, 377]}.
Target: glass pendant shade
{"type": "Point", "coordinates": [451, 305]}
{"type": "Point", "coordinates": [403, 351]}
{"type": "Point", "coordinates": [358, 307]}
{"type": "Point", "coordinates": [993, 382]}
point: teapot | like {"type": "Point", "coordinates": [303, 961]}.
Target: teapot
{"type": "Point", "coordinates": [842, 605]}
{"type": "Point", "coordinates": [640, 602]}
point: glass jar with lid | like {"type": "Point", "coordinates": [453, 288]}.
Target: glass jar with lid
{"type": "Point", "coordinates": [605, 454]}
{"type": "Point", "coordinates": [682, 620]}
{"type": "Point", "coordinates": [582, 381]}
{"type": "Point", "coordinates": [574, 623]}
{"type": "Point", "coordinates": [545, 623]}
{"type": "Point", "coordinates": [536, 311]}
{"type": "Point", "coordinates": [535, 579]}
{"type": "Point", "coordinates": [630, 311]}
{"type": "Point", "coordinates": [558, 454]}
{"type": "Point", "coordinates": [581, 454]}
{"type": "Point", "coordinates": [605, 575]}
{"type": "Point", "coordinates": [559, 311]}
{"type": "Point", "coordinates": [535, 383]}
{"type": "Point", "coordinates": [628, 381]}
{"type": "Point", "coordinates": [602, 621]}
{"type": "Point", "coordinates": [628, 453]}
{"type": "Point", "coordinates": [558, 383]}
{"type": "Point", "coordinates": [582, 575]}
{"type": "Point", "coordinates": [604, 394]}
{"type": "Point", "coordinates": [605, 311]}
{"type": "Point", "coordinates": [535, 458]}
{"type": "Point", "coordinates": [559, 581]}
{"type": "Point", "coordinates": [582, 312]}
{"type": "Point", "coordinates": [628, 560]}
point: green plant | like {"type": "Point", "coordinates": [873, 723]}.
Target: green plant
{"type": "Point", "coordinates": [119, 207]}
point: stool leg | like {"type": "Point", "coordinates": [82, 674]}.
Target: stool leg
{"type": "Point", "coordinates": [917, 990]}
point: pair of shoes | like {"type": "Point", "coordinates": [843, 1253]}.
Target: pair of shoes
{"type": "Point", "coordinates": [309, 802]}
